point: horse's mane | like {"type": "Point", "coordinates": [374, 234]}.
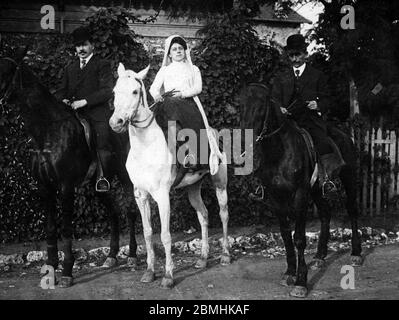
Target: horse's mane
{"type": "Point", "coordinates": [48, 97]}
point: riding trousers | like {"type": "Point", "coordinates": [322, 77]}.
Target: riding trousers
{"type": "Point", "coordinates": [317, 128]}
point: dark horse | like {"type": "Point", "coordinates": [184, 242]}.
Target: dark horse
{"type": "Point", "coordinates": [285, 170]}
{"type": "Point", "coordinates": [60, 160]}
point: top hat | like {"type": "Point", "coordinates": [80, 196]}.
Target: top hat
{"type": "Point", "coordinates": [80, 35]}
{"type": "Point", "coordinates": [296, 42]}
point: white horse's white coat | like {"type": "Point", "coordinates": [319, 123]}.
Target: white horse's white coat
{"type": "Point", "coordinates": [152, 172]}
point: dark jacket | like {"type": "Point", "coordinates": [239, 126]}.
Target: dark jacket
{"type": "Point", "coordinates": [294, 94]}
{"type": "Point", "coordinates": [312, 85]}
{"type": "Point", "coordinates": [94, 83]}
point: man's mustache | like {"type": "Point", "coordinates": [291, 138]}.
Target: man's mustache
{"type": "Point", "coordinates": [82, 51]}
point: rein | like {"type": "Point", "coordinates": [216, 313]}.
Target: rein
{"type": "Point", "coordinates": [263, 134]}
{"type": "Point", "coordinates": [11, 87]}
{"type": "Point", "coordinates": [131, 120]}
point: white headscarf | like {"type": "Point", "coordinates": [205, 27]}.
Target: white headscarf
{"type": "Point", "coordinates": [167, 60]}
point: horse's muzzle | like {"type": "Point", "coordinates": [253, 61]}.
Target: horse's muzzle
{"type": "Point", "coordinates": [117, 124]}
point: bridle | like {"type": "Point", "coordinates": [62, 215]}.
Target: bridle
{"type": "Point", "coordinates": [263, 134]}
{"type": "Point", "coordinates": [131, 120]}
{"type": "Point", "coordinates": [11, 86]}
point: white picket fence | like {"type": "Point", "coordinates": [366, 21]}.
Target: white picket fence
{"type": "Point", "coordinates": [378, 188]}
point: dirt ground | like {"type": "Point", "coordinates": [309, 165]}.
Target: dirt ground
{"type": "Point", "coordinates": [249, 277]}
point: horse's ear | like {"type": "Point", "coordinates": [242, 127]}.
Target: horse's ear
{"type": "Point", "coordinates": [143, 73]}
{"type": "Point", "coordinates": [121, 70]}
{"type": "Point", "coordinates": [20, 53]}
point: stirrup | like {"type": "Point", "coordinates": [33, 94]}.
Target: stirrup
{"type": "Point", "coordinates": [254, 196]}
{"type": "Point", "coordinates": [102, 185]}
{"type": "Point", "coordinates": [328, 187]}
{"type": "Point", "coordinates": [186, 162]}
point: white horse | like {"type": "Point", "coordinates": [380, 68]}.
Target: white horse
{"type": "Point", "coordinates": [152, 172]}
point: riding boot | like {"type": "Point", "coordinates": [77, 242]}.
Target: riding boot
{"type": "Point", "coordinates": [329, 166]}
{"type": "Point", "coordinates": [103, 158]}
{"type": "Point", "coordinates": [189, 161]}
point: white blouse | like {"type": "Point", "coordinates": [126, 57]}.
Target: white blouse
{"type": "Point", "coordinates": [178, 76]}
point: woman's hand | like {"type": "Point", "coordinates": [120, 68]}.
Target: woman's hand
{"type": "Point", "coordinates": [177, 94]}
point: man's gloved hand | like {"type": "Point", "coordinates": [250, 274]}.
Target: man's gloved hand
{"type": "Point", "coordinates": [78, 104]}
{"type": "Point", "coordinates": [284, 110]}
{"type": "Point", "coordinates": [312, 105]}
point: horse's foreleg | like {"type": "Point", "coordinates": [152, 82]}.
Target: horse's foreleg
{"type": "Point", "coordinates": [145, 211]}
{"type": "Point", "coordinates": [67, 198]}
{"type": "Point", "coordinates": [300, 206]}
{"type": "Point", "coordinates": [325, 217]}
{"type": "Point", "coordinates": [348, 179]}
{"type": "Point", "coordinates": [194, 196]}
{"type": "Point", "coordinates": [162, 198]}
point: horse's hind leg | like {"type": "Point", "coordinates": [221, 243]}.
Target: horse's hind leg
{"type": "Point", "coordinates": [132, 259]}
{"type": "Point", "coordinates": [300, 206]}
{"type": "Point", "coordinates": [67, 199]}
{"type": "Point", "coordinates": [49, 200]}
{"type": "Point", "coordinates": [114, 212]}
{"type": "Point", "coordinates": [325, 217]}
{"type": "Point", "coordinates": [194, 196]}
{"type": "Point", "coordinates": [145, 211]}
{"type": "Point", "coordinates": [348, 179]}
{"type": "Point", "coordinates": [220, 182]}
{"type": "Point", "coordinates": [131, 217]}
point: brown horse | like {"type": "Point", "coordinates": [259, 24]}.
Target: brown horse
{"type": "Point", "coordinates": [61, 160]}
{"type": "Point", "coordinates": [285, 171]}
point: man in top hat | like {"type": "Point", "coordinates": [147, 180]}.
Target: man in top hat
{"type": "Point", "coordinates": [86, 87]}
{"type": "Point", "coordinates": [302, 93]}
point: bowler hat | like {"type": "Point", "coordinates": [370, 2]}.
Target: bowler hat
{"type": "Point", "coordinates": [296, 42]}
{"type": "Point", "coordinates": [80, 35]}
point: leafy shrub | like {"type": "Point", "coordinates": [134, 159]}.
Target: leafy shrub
{"type": "Point", "coordinates": [229, 55]}
{"type": "Point", "coordinates": [21, 213]}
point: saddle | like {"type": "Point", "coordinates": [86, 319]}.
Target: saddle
{"type": "Point", "coordinates": [95, 163]}
{"type": "Point", "coordinates": [326, 166]}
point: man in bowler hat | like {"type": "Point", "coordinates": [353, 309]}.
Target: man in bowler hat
{"type": "Point", "coordinates": [302, 93]}
{"type": "Point", "coordinates": [86, 87]}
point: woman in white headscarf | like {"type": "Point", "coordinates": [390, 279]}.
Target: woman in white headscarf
{"type": "Point", "coordinates": [179, 74]}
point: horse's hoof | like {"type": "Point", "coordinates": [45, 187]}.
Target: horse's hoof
{"type": "Point", "coordinates": [148, 276]}
{"type": "Point", "coordinates": [110, 263]}
{"type": "Point", "coordinates": [299, 292]}
{"type": "Point", "coordinates": [356, 261]}
{"type": "Point", "coordinates": [316, 264]}
{"type": "Point", "coordinates": [288, 280]}
{"type": "Point", "coordinates": [66, 282]}
{"type": "Point", "coordinates": [132, 263]}
{"type": "Point", "coordinates": [225, 259]}
{"type": "Point", "coordinates": [201, 264]}
{"type": "Point", "coordinates": [167, 283]}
